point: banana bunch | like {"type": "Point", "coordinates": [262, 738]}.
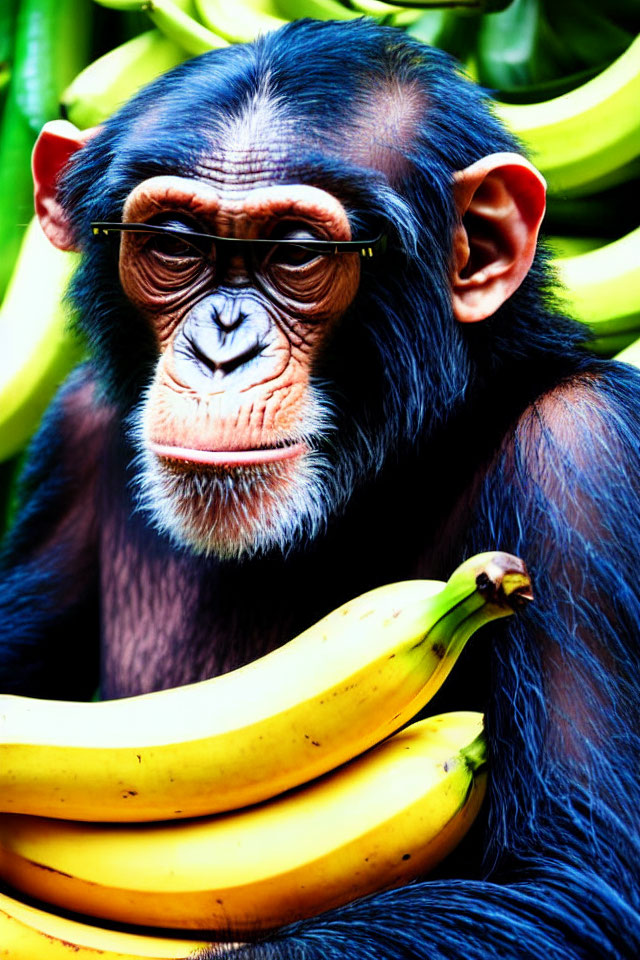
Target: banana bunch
{"type": "Point", "coordinates": [315, 799]}
{"type": "Point", "coordinates": [337, 689]}
{"type": "Point", "coordinates": [30, 933]}
{"type": "Point", "coordinates": [582, 140]}
{"type": "Point", "coordinates": [112, 79]}
{"type": "Point", "coordinates": [377, 822]}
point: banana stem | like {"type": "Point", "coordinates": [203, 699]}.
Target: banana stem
{"type": "Point", "coordinates": [475, 753]}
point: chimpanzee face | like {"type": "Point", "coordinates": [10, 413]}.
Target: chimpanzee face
{"type": "Point", "coordinates": [230, 426]}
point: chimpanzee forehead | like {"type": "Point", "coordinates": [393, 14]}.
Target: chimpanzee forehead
{"type": "Point", "coordinates": [266, 137]}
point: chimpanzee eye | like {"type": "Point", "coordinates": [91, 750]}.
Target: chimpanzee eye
{"type": "Point", "coordinates": [292, 254]}
{"type": "Point", "coordinates": [171, 246]}
{"type": "Point", "coordinates": [174, 244]}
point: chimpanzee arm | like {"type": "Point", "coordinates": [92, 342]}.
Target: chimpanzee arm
{"type": "Point", "coordinates": [48, 577]}
{"type": "Point", "coordinates": [563, 859]}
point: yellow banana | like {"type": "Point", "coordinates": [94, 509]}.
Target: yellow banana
{"type": "Point", "coordinates": [602, 287]}
{"type": "Point", "coordinates": [379, 821]}
{"type": "Point", "coordinates": [338, 688]}
{"type": "Point", "coordinates": [111, 80]}
{"type": "Point", "coordinates": [242, 20]}
{"type": "Point", "coordinates": [28, 933]}
{"type": "Point", "coordinates": [585, 134]}
{"type": "Point", "coordinates": [38, 350]}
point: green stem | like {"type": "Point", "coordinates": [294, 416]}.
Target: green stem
{"type": "Point", "coordinates": [475, 753]}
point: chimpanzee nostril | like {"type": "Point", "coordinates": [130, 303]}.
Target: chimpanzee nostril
{"type": "Point", "coordinates": [228, 366]}
{"type": "Point", "coordinates": [222, 335]}
{"type": "Point", "coordinates": [223, 360]}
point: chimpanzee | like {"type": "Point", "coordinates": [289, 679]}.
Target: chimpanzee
{"type": "Point", "coordinates": [325, 355]}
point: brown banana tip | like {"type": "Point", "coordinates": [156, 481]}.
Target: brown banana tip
{"type": "Point", "coordinates": [504, 580]}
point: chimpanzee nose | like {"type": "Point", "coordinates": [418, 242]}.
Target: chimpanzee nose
{"type": "Point", "coordinates": [220, 337]}
{"type": "Point", "coordinates": [229, 312]}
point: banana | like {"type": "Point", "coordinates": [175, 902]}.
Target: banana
{"type": "Point", "coordinates": [602, 287]}
{"type": "Point", "coordinates": [37, 348]}
{"type": "Point", "coordinates": [390, 13]}
{"type": "Point", "coordinates": [110, 81]}
{"type": "Point", "coordinates": [28, 933]}
{"type": "Point", "coordinates": [238, 22]}
{"type": "Point", "coordinates": [612, 344]}
{"type": "Point", "coordinates": [175, 21]}
{"type": "Point", "coordinates": [631, 353]}
{"type": "Point", "coordinates": [586, 133]}
{"type": "Point", "coordinates": [319, 9]}
{"type": "Point", "coordinates": [338, 688]}
{"type": "Point", "coordinates": [564, 247]}
{"type": "Point", "coordinates": [183, 29]}
{"type": "Point", "coordinates": [378, 821]}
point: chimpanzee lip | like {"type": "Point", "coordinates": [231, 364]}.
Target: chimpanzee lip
{"type": "Point", "coordinates": [284, 450]}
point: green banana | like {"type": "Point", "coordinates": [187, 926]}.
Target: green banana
{"type": "Point", "coordinates": [38, 350]}
{"type": "Point", "coordinates": [587, 133]}
{"type": "Point", "coordinates": [183, 29]}
{"type": "Point", "coordinates": [319, 9]}
{"type": "Point", "coordinates": [174, 21]}
{"type": "Point", "coordinates": [391, 14]}
{"type": "Point", "coordinates": [616, 176]}
{"type": "Point", "coordinates": [110, 81]}
{"type": "Point", "coordinates": [602, 287]}
{"type": "Point", "coordinates": [630, 353]}
{"type": "Point", "coordinates": [238, 23]}
{"type": "Point", "coordinates": [610, 346]}
{"type": "Point", "coordinates": [562, 247]}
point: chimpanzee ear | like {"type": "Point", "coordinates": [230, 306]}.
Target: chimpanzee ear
{"type": "Point", "coordinates": [501, 203]}
{"type": "Point", "coordinates": [57, 143]}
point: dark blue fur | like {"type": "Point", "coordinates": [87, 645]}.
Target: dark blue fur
{"type": "Point", "coordinates": [452, 419]}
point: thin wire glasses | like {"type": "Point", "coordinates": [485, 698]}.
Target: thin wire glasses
{"type": "Point", "coordinates": [206, 243]}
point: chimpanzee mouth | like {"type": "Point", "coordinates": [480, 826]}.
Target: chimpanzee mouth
{"type": "Point", "coordinates": [283, 450]}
